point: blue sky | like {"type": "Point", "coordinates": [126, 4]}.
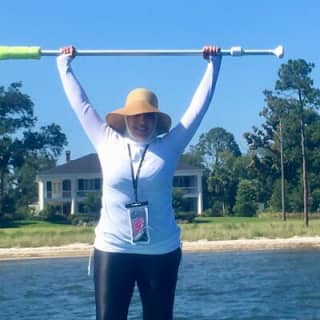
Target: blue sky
{"type": "Point", "coordinates": [165, 24]}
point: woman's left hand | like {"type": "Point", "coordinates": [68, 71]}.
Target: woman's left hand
{"type": "Point", "coordinates": [68, 51]}
{"type": "Point", "coordinates": [209, 51]}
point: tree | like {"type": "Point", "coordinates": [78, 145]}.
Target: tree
{"type": "Point", "coordinates": [294, 99]}
{"type": "Point", "coordinates": [192, 157]}
{"type": "Point", "coordinates": [24, 186]}
{"type": "Point", "coordinates": [246, 200]}
{"type": "Point", "coordinates": [213, 143]}
{"type": "Point", "coordinates": [218, 151]}
{"type": "Point", "coordinates": [223, 182]}
{"type": "Point", "coordinates": [19, 141]}
{"type": "Point", "coordinates": [294, 78]}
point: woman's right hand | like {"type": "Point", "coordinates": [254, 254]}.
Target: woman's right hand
{"type": "Point", "coordinates": [69, 51]}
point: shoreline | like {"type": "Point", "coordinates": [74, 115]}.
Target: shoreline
{"type": "Point", "coordinates": [83, 250]}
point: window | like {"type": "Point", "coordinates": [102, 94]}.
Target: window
{"type": "Point", "coordinates": [66, 185]}
{"type": "Point", "coordinates": [66, 188]}
{"type": "Point", "coordinates": [186, 183]}
{"type": "Point", "coordinates": [56, 187]}
{"type": "Point", "coordinates": [49, 189]}
{"type": "Point", "coordinates": [88, 185]}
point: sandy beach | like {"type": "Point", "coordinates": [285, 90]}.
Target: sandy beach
{"type": "Point", "coordinates": [82, 250]}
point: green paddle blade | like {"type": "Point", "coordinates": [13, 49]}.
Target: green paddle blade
{"type": "Point", "coordinates": [19, 53]}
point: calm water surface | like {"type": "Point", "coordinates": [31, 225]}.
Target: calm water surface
{"type": "Point", "coordinates": [230, 285]}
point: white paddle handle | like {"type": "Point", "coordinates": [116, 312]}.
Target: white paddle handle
{"type": "Point", "coordinates": [37, 52]}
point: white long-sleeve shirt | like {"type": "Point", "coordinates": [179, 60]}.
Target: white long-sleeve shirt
{"type": "Point", "coordinates": [113, 232]}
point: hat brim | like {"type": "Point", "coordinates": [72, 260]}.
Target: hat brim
{"type": "Point", "coordinates": [116, 119]}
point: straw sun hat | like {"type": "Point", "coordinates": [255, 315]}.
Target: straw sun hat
{"type": "Point", "coordinates": [139, 101]}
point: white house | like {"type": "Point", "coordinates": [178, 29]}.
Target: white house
{"type": "Point", "coordinates": [67, 185]}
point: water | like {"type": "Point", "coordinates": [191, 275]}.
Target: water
{"type": "Point", "coordinates": [230, 285]}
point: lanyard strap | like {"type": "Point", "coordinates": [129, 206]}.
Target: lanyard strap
{"type": "Point", "coordinates": [135, 178]}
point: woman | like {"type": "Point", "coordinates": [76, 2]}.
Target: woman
{"type": "Point", "coordinates": [137, 239]}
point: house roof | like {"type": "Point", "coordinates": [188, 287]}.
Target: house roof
{"type": "Point", "coordinates": [90, 164]}
{"type": "Point", "coordinates": [86, 164]}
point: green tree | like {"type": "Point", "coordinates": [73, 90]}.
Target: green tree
{"type": "Point", "coordinates": [19, 141]}
{"type": "Point", "coordinates": [246, 200]}
{"type": "Point", "coordinates": [24, 187]}
{"type": "Point", "coordinates": [295, 80]}
{"type": "Point", "coordinates": [283, 144]}
{"type": "Point", "coordinates": [223, 182]}
{"type": "Point", "coordinates": [213, 143]}
{"type": "Point", "coordinates": [213, 150]}
{"type": "Point", "coordinates": [192, 157]}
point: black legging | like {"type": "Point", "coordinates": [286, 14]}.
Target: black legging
{"type": "Point", "coordinates": [115, 275]}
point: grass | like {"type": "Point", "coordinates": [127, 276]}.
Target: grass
{"type": "Point", "coordinates": [37, 233]}
{"type": "Point", "coordinates": [231, 228]}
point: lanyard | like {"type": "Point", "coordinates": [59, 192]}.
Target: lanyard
{"type": "Point", "coordinates": [135, 178]}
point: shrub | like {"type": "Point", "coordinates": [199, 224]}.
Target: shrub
{"type": "Point", "coordinates": [185, 216]}
{"type": "Point", "coordinates": [53, 213]}
{"type": "Point", "coordinates": [83, 219]}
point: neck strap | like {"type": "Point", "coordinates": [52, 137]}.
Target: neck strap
{"type": "Point", "coordinates": [136, 177]}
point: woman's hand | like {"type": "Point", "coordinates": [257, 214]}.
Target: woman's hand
{"type": "Point", "coordinates": [210, 51]}
{"type": "Point", "coordinates": [68, 51]}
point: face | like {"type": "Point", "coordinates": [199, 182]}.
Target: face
{"type": "Point", "coordinates": [142, 126]}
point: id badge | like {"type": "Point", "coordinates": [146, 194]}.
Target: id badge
{"type": "Point", "coordinates": [139, 226]}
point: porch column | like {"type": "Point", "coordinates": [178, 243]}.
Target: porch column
{"type": "Point", "coordinates": [41, 193]}
{"type": "Point", "coordinates": [199, 193]}
{"type": "Point", "coordinates": [73, 196]}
